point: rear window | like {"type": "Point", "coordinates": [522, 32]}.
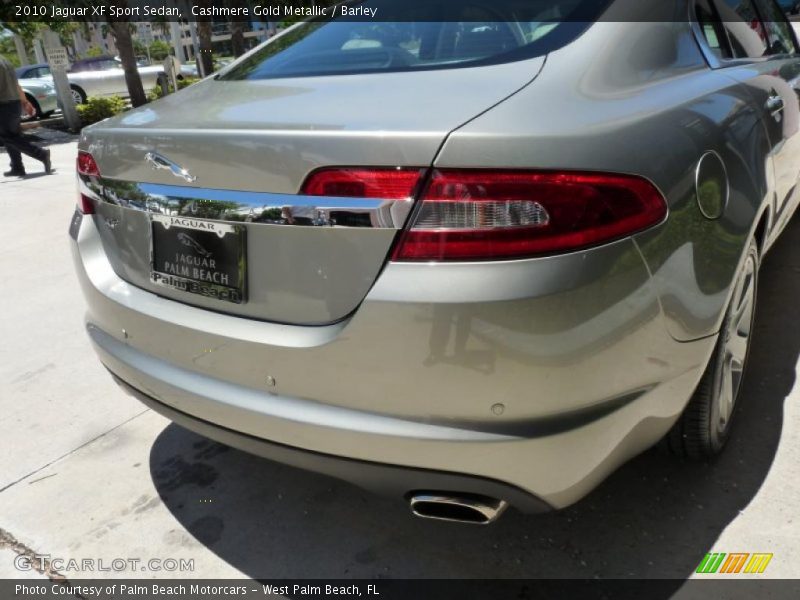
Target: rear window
{"type": "Point", "coordinates": [421, 34]}
{"type": "Point", "coordinates": [105, 64]}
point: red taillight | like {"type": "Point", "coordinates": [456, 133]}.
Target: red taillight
{"type": "Point", "coordinates": [389, 184]}
{"type": "Point", "coordinates": [496, 215]}
{"type": "Point", "coordinates": [87, 164]}
{"type": "Point", "coordinates": [86, 205]}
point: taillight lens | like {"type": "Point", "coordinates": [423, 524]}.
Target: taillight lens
{"type": "Point", "coordinates": [389, 184]}
{"type": "Point", "coordinates": [85, 205]}
{"type": "Point", "coordinates": [497, 215]}
{"type": "Point", "coordinates": [87, 164]}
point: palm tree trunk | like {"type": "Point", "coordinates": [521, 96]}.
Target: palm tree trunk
{"type": "Point", "coordinates": [122, 39]}
{"type": "Point", "coordinates": [237, 30]}
{"type": "Point", "coordinates": [237, 38]}
{"type": "Point", "coordinates": [205, 59]}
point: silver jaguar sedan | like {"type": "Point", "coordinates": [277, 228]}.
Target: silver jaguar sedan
{"type": "Point", "coordinates": [474, 256]}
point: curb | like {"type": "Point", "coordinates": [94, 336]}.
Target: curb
{"type": "Point", "coordinates": [27, 125]}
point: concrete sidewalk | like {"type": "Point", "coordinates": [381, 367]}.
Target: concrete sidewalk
{"type": "Point", "coordinates": [59, 406]}
{"type": "Point", "coordinates": [87, 472]}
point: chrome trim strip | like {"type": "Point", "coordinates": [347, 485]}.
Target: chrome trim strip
{"type": "Point", "coordinates": [697, 170]}
{"type": "Point", "coordinates": [249, 207]}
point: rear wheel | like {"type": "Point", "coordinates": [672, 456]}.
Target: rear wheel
{"type": "Point", "coordinates": [162, 83]}
{"type": "Point", "coordinates": [78, 95]}
{"type": "Point", "coordinates": [705, 424]}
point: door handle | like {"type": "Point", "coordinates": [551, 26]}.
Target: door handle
{"type": "Point", "coordinates": [774, 105]}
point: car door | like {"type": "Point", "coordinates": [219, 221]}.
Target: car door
{"type": "Point", "coordinates": [784, 63]}
{"type": "Point", "coordinates": [758, 48]}
{"type": "Point", "coordinates": [112, 76]}
{"type": "Point", "coordinates": [102, 77]}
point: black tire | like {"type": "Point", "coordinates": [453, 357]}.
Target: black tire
{"type": "Point", "coordinates": [704, 427]}
{"type": "Point", "coordinates": [78, 94]}
{"type": "Point", "coordinates": [162, 82]}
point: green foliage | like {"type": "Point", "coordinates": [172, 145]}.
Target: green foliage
{"type": "Point", "coordinates": [187, 81]}
{"type": "Point", "coordinates": [159, 50]}
{"type": "Point", "coordinates": [161, 25]}
{"type": "Point", "coordinates": [139, 47]}
{"type": "Point", "coordinates": [12, 58]}
{"type": "Point", "coordinates": [94, 50]}
{"type": "Point", "coordinates": [157, 93]}
{"type": "Point", "coordinates": [96, 109]}
{"type": "Point", "coordinates": [30, 29]}
{"type": "Point", "coordinates": [8, 49]}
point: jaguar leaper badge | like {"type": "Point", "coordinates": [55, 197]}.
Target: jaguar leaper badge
{"type": "Point", "coordinates": [157, 161]}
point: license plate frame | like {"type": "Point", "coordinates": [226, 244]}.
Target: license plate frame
{"type": "Point", "coordinates": [186, 255]}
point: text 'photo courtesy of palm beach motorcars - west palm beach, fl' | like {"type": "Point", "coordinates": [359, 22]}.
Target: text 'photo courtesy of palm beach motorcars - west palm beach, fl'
{"type": "Point", "coordinates": [470, 256]}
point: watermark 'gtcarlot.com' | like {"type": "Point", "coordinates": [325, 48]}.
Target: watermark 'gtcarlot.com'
{"type": "Point", "coordinates": [42, 562]}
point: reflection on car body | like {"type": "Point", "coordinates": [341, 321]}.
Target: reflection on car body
{"type": "Point", "coordinates": [98, 76]}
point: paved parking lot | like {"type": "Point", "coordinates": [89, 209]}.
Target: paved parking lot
{"type": "Point", "coordinates": [87, 472]}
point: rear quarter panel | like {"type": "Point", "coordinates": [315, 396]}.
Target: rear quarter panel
{"type": "Point", "coordinates": [639, 98]}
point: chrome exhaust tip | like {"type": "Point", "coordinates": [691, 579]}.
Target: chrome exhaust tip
{"type": "Point", "coordinates": [458, 508]}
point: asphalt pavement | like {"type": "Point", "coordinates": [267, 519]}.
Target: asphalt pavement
{"type": "Point", "coordinates": [87, 472]}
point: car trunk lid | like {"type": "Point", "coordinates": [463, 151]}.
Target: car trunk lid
{"type": "Point", "coordinates": [236, 153]}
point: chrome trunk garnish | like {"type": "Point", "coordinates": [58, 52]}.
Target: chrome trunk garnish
{"type": "Point", "coordinates": [248, 207]}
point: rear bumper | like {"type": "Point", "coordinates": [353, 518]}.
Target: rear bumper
{"type": "Point", "coordinates": [535, 394]}
{"type": "Point", "coordinates": [379, 478]}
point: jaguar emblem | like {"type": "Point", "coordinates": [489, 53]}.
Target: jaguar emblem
{"type": "Point", "coordinates": [158, 162]}
{"type": "Point", "coordinates": [190, 242]}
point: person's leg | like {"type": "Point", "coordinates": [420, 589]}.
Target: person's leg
{"type": "Point", "coordinates": [12, 138]}
{"type": "Point", "coordinates": [17, 167]}
{"type": "Point", "coordinates": [6, 133]}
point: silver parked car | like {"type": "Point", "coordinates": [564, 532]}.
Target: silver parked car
{"type": "Point", "coordinates": [97, 76]}
{"type": "Point", "coordinates": [473, 262]}
{"type": "Point", "coordinates": [41, 93]}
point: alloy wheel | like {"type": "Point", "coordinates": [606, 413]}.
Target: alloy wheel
{"type": "Point", "coordinates": [734, 346]}
{"type": "Point", "coordinates": [704, 427]}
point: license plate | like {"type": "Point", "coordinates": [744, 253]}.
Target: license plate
{"type": "Point", "coordinates": [199, 257]}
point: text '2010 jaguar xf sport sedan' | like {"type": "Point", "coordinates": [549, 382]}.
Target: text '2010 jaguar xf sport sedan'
{"type": "Point", "coordinates": [472, 261]}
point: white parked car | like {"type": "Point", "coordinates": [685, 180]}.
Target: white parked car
{"type": "Point", "coordinates": [98, 76]}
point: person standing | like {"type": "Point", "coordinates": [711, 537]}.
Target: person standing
{"type": "Point", "coordinates": [12, 103]}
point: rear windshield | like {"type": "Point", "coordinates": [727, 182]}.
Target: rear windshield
{"type": "Point", "coordinates": [421, 34]}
